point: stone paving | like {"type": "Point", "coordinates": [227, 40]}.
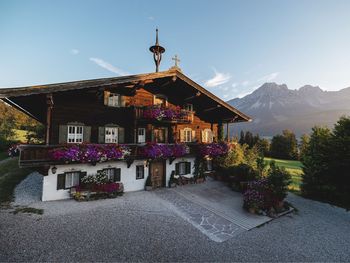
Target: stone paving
{"type": "Point", "coordinates": [205, 206]}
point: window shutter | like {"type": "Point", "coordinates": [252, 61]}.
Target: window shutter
{"type": "Point", "coordinates": [117, 173]}
{"type": "Point", "coordinates": [203, 135]}
{"type": "Point", "coordinates": [182, 135]}
{"type": "Point", "coordinates": [106, 96]}
{"type": "Point", "coordinates": [62, 134]}
{"type": "Point", "coordinates": [188, 167]}
{"type": "Point", "coordinates": [86, 133]}
{"type": "Point", "coordinates": [61, 181]}
{"type": "Point", "coordinates": [211, 136]}
{"type": "Point", "coordinates": [177, 168]}
{"type": "Point", "coordinates": [81, 175]}
{"type": "Point", "coordinates": [122, 101]}
{"type": "Point", "coordinates": [101, 134]}
{"type": "Point", "coordinates": [166, 135]}
{"type": "Point", "coordinates": [121, 132]}
{"type": "Point", "coordinates": [193, 135]}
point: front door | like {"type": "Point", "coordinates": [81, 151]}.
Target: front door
{"type": "Point", "coordinates": [157, 174]}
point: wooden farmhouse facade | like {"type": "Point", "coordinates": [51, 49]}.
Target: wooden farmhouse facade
{"type": "Point", "coordinates": [165, 108]}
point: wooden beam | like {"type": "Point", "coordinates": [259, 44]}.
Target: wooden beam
{"type": "Point", "coordinates": [49, 103]}
{"type": "Point", "coordinates": [192, 97]}
{"type": "Point", "coordinates": [213, 108]}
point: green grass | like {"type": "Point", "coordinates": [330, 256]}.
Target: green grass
{"type": "Point", "coordinates": [294, 168]}
{"type": "Point", "coordinates": [3, 155]}
{"type": "Point", "coordinates": [10, 176]}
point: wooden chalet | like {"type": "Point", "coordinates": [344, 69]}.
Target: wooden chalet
{"type": "Point", "coordinates": [119, 110]}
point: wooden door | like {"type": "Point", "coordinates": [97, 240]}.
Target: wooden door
{"type": "Point", "coordinates": [157, 174]}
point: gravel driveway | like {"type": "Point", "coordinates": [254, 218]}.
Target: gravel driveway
{"type": "Point", "coordinates": [142, 226]}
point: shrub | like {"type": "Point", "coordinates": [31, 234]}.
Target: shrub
{"type": "Point", "coordinates": [278, 180]}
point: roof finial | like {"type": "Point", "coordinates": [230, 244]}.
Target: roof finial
{"type": "Point", "coordinates": [157, 51]}
{"type": "Point", "coordinates": [177, 60]}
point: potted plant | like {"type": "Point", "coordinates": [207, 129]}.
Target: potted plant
{"type": "Point", "coordinates": [148, 186]}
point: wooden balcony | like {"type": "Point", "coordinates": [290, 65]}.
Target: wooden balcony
{"type": "Point", "coordinates": [165, 115]}
{"type": "Point", "coordinates": [39, 155]}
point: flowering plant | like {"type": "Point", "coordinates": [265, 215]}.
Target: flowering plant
{"type": "Point", "coordinates": [213, 149]}
{"type": "Point", "coordinates": [13, 151]}
{"type": "Point", "coordinates": [164, 151]}
{"type": "Point", "coordinates": [90, 153]}
{"type": "Point", "coordinates": [159, 113]}
{"type": "Point", "coordinates": [253, 199]}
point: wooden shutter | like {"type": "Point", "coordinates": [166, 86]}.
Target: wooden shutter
{"type": "Point", "coordinates": [61, 181]}
{"type": "Point", "coordinates": [182, 135]}
{"type": "Point", "coordinates": [165, 135]}
{"type": "Point", "coordinates": [101, 134]}
{"type": "Point", "coordinates": [203, 135]}
{"type": "Point", "coordinates": [193, 135]}
{"type": "Point", "coordinates": [81, 175]}
{"type": "Point", "coordinates": [188, 167]}
{"type": "Point", "coordinates": [86, 133]}
{"type": "Point", "coordinates": [122, 101]}
{"type": "Point", "coordinates": [106, 96]}
{"type": "Point", "coordinates": [121, 135]}
{"type": "Point", "coordinates": [177, 168]}
{"type": "Point", "coordinates": [117, 174]}
{"type": "Point", "coordinates": [62, 134]}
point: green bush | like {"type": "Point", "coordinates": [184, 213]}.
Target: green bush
{"type": "Point", "coordinates": [278, 179]}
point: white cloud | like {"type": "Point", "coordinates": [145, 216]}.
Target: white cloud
{"type": "Point", "coordinates": [218, 79]}
{"type": "Point", "coordinates": [109, 67]}
{"type": "Point", "coordinates": [269, 77]}
{"type": "Point", "coordinates": [74, 51]}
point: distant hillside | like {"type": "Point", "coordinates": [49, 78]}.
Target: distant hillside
{"type": "Point", "coordinates": [274, 107]}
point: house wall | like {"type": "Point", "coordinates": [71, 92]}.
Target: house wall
{"type": "Point", "coordinates": [128, 176]}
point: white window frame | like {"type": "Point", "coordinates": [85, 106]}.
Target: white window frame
{"type": "Point", "coordinates": [71, 179]}
{"type": "Point", "coordinates": [113, 100]}
{"type": "Point", "coordinates": [208, 135]}
{"type": "Point", "coordinates": [188, 107]}
{"type": "Point", "coordinates": [140, 175]}
{"type": "Point", "coordinates": [162, 97]}
{"type": "Point", "coordinates": [187, 135]}
{"type": "Point", "coordinates": [110, 173]}
{"type": "Point", "coordinates": [182, 168]}
{"type": "Point", "coordinates": [142, 135]}
{"type": "Point", "coordinates": [75, 134]}
{"type": "Point", "coordinates": [111, 138]}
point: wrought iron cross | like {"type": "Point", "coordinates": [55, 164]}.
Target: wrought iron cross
{"type": "Point", "coordinates": [177, 60]}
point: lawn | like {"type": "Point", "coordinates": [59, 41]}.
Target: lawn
{"type": "Point", "coordinates": [10, 176]}
{"type": "Point", "coordinates": [294, 168]}
{"type": "Point", "coordinates": [3, 155]}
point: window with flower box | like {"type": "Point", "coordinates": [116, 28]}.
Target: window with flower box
{"type": "Point", "coordinates": [111, 135]}
{"type": "Point", "coordinates": [75, 134]}
{"type": "Point", "coordinates": [113, 174]}
{"type": "Point", "coordinates": [69, 179]}
{"type": "Point", "coordinates": [207, 136]}
{"type": "Point", "coordinates": [183, 168]}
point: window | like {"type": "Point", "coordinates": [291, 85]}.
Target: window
{"type": "Point", "coordinates": [113, 100]}
{"type": "Point", "coordinates": [160, 100]}
{"type": "Point", "coordinates": [159, 135]}
{"type": "Point", "coordinates": [141, 135]}
{"type": "Point", "coordinates": [188, 107]}
{"type": "Point", "coordinates": [183, 168]}
{"type": "Point", "coordinates": [113, 174]}
{"type": "Point", "coordinates": [111, 135]}
{"type": "Point", "coordinates": [209, 165]}
{"type": "Point", "coordinates": [72, 179]}
{"type": "Point", "coordinates": [187, 135]}
{"type": "Point", "coordinates": [75, 134]}
{"type": "Point", "coordinates": [207, 136]}
{"type": "Point", "coordinates": [140, 172]}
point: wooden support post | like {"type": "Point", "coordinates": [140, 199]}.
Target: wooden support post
{"type": "Point", "coordinates": [49, 103]}
{"type": "Point", "coordinates": [227, 132]}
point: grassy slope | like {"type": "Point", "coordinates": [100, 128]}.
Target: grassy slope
{"type": "Point", "coordinates": [294, 168]}
{"type": "Point", "coordinates": [10, 176]}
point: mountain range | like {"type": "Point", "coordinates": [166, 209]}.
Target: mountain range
{"type": "Point", "coordinates": [274, 108]}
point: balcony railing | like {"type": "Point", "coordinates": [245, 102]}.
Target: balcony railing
{"type": "Point", "coordinates": [163, 114]}
{"type": "Point", "coordinates": [40, 155]}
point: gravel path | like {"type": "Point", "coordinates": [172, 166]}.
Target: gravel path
{"type": "Point", "coordinates": [141, 226]}
{"type": "Point", "coordinates": [29, 191]}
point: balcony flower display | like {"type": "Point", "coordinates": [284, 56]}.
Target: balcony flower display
{"type": "Point", "coordinates": [90, 153]}
{"type": "Point", "coordinates": [159, 113]}
{"type": "Point", "coordinates": [213, 149]}
{"type": "Point", "coordinates": [164, 151]}
{"type": "Point", "coordinates": [13, 151]}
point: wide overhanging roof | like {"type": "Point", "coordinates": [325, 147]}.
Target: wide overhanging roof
{"type": "Point", "coordinates": [172, 83]}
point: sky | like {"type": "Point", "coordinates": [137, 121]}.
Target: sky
{"type": "Point", "coordinates": [230, 47]}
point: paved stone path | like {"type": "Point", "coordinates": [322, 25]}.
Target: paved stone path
{"type": "Point", "coordinates": [207, 208]}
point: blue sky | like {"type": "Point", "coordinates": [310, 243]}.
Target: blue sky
{"type": "Point", "coordinates": [230, 47]}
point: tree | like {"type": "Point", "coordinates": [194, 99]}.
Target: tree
{"type": "Point", "coordinates": [304, 143]}
{"type": "Point", "coordinates": [284, 146]}
{"type": "Point", "coordinates": [248, 139]}
{"type": "Point", "coordinates": [263, 146]}
{"type": "Point", "coordinates": [241, 139]}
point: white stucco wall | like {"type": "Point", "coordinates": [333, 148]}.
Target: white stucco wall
{"type": "Point", "coordinates": [128, 176]}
